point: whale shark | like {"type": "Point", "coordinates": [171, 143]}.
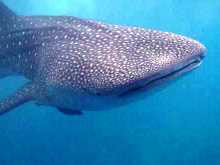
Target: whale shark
{"type": "Point", "coordinates": [78, 65]}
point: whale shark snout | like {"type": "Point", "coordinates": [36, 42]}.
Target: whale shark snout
{"type": "Point", "coordinates": [186, 62]}
{"type": "Point", "coordinates": [188, 59]}
{"type": "Point", "coordinates": [158, 56]}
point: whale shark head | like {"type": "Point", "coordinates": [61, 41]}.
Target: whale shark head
{"type": "Point", "coordinates": [142, 58]}
{"type": "Point", "coordinates": [75, 64]}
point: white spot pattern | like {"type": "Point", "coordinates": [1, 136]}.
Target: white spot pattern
{"type": "Point", "coordinates": [89, 56]}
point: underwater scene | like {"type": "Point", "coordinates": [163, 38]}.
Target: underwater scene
{"type": "Point", "coordinates": [109, 82]}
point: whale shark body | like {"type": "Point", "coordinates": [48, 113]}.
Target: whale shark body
{"type": "Point", "coordinates": [77, 65]}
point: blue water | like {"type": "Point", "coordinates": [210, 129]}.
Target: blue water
{"type": "Point", "coordinates": [179, 125]}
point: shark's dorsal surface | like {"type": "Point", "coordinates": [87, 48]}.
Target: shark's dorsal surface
{"type": "Point", "coordinates": [75, 64]}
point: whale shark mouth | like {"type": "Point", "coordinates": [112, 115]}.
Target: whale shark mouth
{"type": "Point", "coordinates": [165, 77]}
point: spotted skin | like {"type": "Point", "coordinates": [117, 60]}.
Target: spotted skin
{"type": "Point", "coordinates": [77, 64]}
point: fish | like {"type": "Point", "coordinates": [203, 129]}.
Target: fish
{"type": "Point", "coordinates": [78, 65]}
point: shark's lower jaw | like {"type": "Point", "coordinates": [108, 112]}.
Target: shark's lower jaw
{"type": "Point", "coordinates": [173, 74]}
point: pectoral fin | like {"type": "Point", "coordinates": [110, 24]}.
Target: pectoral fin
{"type": "Point", "coordinates": [21, 96]}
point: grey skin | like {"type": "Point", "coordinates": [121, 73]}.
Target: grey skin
{"type": "Point", "coordinates": [79, 65]}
